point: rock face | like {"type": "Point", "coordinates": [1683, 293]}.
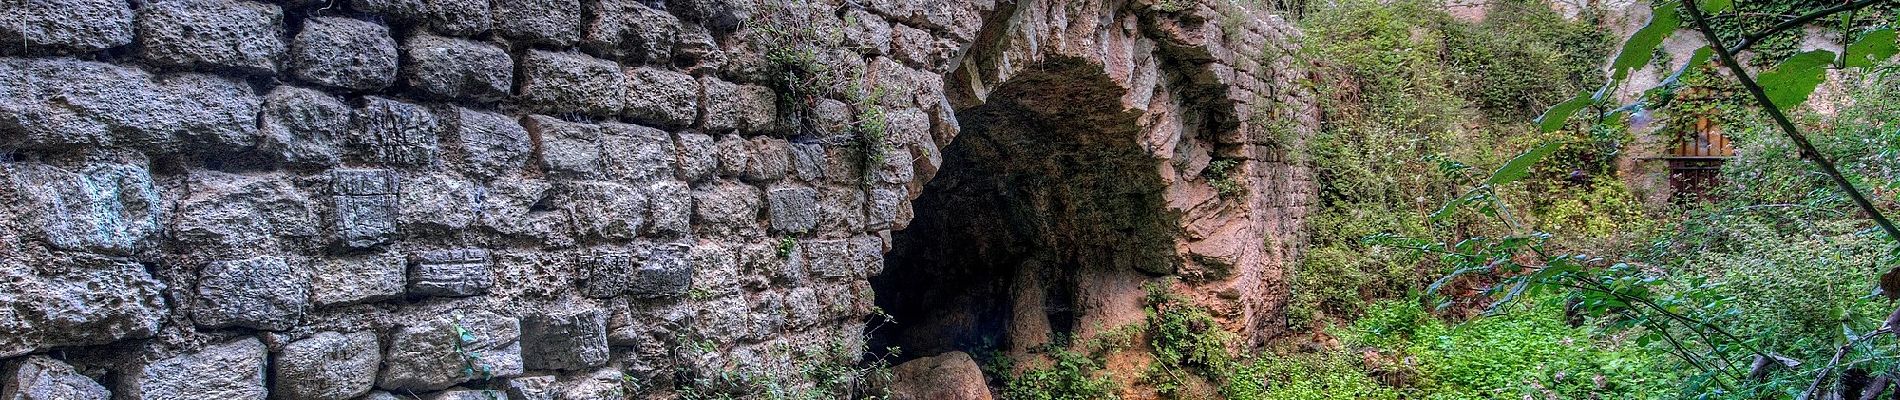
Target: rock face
{"type": "Point", "coordinates": [947, 376]}
{"type": "Point", "coordinates": [457, 198]}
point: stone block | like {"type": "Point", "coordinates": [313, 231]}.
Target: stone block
{"type": "Point", "coordinates": [551, 22]}
{"type": "Point", "coordinates": [605, 210]}
{"type": "Point", "coordinates": [259, 293]}
{"type": "Point", "coordinates": [808, 162]}
{"type": "Point", "coordinates": [866, 32]}
{"type": "Point", "coordinates": [492, 145]}
{"type": "Point", "coordinates": [564, 340]}
{"type": "Point", "coordinates": [366, 206]}
{"type": "Point", "coordinates": [698, 158]}
{"type": "Point", "coordinates": [448, 350]}
{"type": "Point", "coordinates": [840, 208]}
{"type": "Point", "coordinates": [437, 203]}
{"type": "Point", "coordinates": [455, 273]}
{"type": "Point", "coordinates": [566, 149]}
{"type": "Point", "coordinates": [302, 127]}
{"type": "Point", "coordinates": [671, 205]}
{"type": "Point", "coordinates": [657, 271]}
{"type": "Point", "coordinates": [571, 82]}
{"type": "Point", "coordinates": [459, 17]}
{"type": "Point", "coordinates": [44, 378]}
{"type": "Point", "coordinates": [68, 25]}
{"type": "Point", "coordinates": [727, 207]}
{"type": "Point", "coordinates": [227, 215]}
{"type": "Point", "coordinates": [232, 370]}
{"type": "Point", "coordinates": [828, 258]}
{"type": "Point", "coordinates": [342, 281]}
{"type": "Point", "coordinates": [404, 10]}
{"type": "Point", "coordinates": [212, 35]}
{"type": "Point", "coordinates": [85, 300]}
{"type": "Point", "coordinates": [633, 153]}
{"type": "Point", "coordinates": [327, 366]}
{"type": "Point", "coordinates": [630, 31]}
{"type": "Point", "coordinates": [662, 97]}
{"type": "Point", "coordinates": [395, 133]}
{"type": "Point", "coordinates": [733, 153]}
{"type": "Point", "coordinates": [103, 208]}
{"type": "Point", "coordinates": [344, 53]}
{"type": "Point", "coordinates": [793, 208]}
{"type": "Point", "coordinates": [457, 68]}
{"type": "Point", "coordinates": [769, 159]}
{"type": "Point", "coordinates": [469, 394]}
{"type": "Point", "coordinates": [59, 103]}
{"type": "Point", "coordinates": [721, 105]}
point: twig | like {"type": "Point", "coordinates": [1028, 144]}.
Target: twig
{"type": "Point", "coordinates": [1807, 149]}
{"type": "Point", "coordinates": [1797, 22]}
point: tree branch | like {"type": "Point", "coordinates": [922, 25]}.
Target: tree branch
{"type": "Point", "coordinates": [1807, 149]}
{"type": "Point", "coordinates": [1784, 26]}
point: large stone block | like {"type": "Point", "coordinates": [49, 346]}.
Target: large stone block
{"type": "Point", "coordinates": [344, 53]}
{"type": "Point", "coordinates": [448, 350]}
{"type": "Point", "coordinates": [459, 17]}
{"type": "Point", "coordinates": [457, 68]}
{"type": "Point", "coordinates": [67, 25]}
{"type": "Point", "coordinates": [794, 208]}
{"type": "Point", "coordinates": [671, 203]}
{"type": "Point", "coordinates": [492, 145]}
{"type": "Point", "coordinates": [565, 340]}
{"type": "Point", "coordinates": [733, 152]}
{"type": "Point", "coordinates": [327, 366]}
{"type": "Point", "coordinates": [636, 153]}
{"type": "Point", "coordinates": [461, 272]}
{"type": "Point", "coordinates": [655, 271]}
{"type": "Point", "coordinates": [59, 103]}
{"type": "Point", "coordinates": [571, 82]}
{"type": "Point", "coordinates": [630, 31]}
{"type": "Point", "coordinates": [697, 158]}
{"type": "Point", "coordinates": [44, 378]}
{"type": "Point", "coordinates": [82, 301]}
{"type": "Point", "coordinates": [340, 281]}
{"type": "Point", "coordinates": [727, 207]}
{"type": "Point", "coordinates": [103, 208]}
{"type": "Point", "coordinates": [229, 215]}
{"type": "Point", "coordinates": [212, 34]}
{"type": "Point", "coordinates": [662, 97]}
{"type": "Point", "coordinates": [402, 10]}
{"type": "Point", "coordinates": [302, 127]}
{"type": "Point", "coordinates": [770, 159]}
{"type": "Point", "coordinates": [605, 210]}
{"type": "Point", "coordinates": [566, 149]}
{"type": "Point", "coordinates": [366, 206]}
{"type": "Point", "coordinates": [233, 370]}
{"type": "Point", "coordinates": [551, 22]}
{"type": "Point", "coordinates": [395, 133]}
{"type": "Point", "coordinates": [259, 293]}
{"type": "Point", "coordinates": [437, 203]}
{"type": "Point", "coordinates": [467, 394]}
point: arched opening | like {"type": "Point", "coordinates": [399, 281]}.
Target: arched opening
{"type": "Point", "coordinates": [1046, 209]}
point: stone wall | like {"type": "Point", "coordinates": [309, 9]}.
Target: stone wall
{"type": "Point", "coordinates": [572, 199]}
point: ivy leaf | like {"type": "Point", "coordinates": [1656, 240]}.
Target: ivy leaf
{"type": "Point", "coordinates": [1711, 7]}
{"type": "Point", "coordinates": [1553, 119]}
{"type": "Point", "coordinates": [1663, 22]}
{"type": "Point", "coordinates": [1790, 83]}
{"type": "Point", "coordinates": [1520, 167]}
{"type": "Point", "coordinates": [1701, 56]}
{"type": "Point", "coordinates": [1872, 48]}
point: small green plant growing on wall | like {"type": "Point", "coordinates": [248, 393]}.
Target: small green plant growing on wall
{"type": "Point", "coordinates": [1220, 174]}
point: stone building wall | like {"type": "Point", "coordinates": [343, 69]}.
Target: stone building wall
{"type": "Point", "coordinates": [572, 199]}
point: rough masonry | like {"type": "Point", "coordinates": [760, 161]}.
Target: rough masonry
{"type": "Point", "coordinates": [575, 199]}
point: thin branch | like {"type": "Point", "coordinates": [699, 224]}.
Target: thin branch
{"type": "Point", "coordinates": [1784, 26]}
{"type": "Point", "coordinates": [1807, 149]}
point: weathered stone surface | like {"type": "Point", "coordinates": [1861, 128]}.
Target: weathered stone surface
{"type": "Point", "coordinates": [866, 32]}
{"type": "Point", "coordinates": [655, 271]}
{"type": "Point", "coordinates": [492, 145]}
{"type": "Point", "coordinates": [630, 31]}
{"type": "Point", "coordinates": [605, 210]}
{"type": "Point", "coordinates": [465, 394]}
{"type": "Point", "coordinates": [564, 341]}
{"type": "Point", "coordinates": [662, 97]}
{"type": "Point", "coordinates": [44, 378]}
{"type": "Point", "coordinates": [341, 281]}
{"type": "Point", "coordinates": [459, 17]}
{"type": "Point", "coordinates": [565, 148]}
{"type": "Point", "coordinates": [303, 127]}
{"type": "Point", "coordinates": [104, 208]}
{"type": "Point", "coordinates": [259, 293]}
{"type": "Point", "coordinates": [733, 152]}
{"type": "Point", "coordinates": [406, 10]}
{"type": "Point", "coordinates": [551, 22]}
{"type": "Point", "coordinates": [808, 162]}
{"type": "Point", "coordinates": [722, 111]}
{"type": "Point", "coordinates": [433, 354]}
{"type": "Point", "coordinates": [82, 301]}
{"type": "Point", "coordinates": [671, 203]}
{"type": "Point", "coordinates": [947, 376]}
{"type": "Point", "coordinates": [635, 153]}
{"type": "Point", "coordinates": [327, 366]}
{"type": "Point", "coordinates": [769, 159]}
{"type": "Point", "coordinates": [60, 102]}
{"type": "Point", "coordinates": [457, 68]}
{"type": "Point", "coordinates": [437, 203]}
{"type": "Point", "coordinates": [604, 384]}
{"type": "Point", "coordinates": [68, 25]}
{"type": "Point", "coordinates": [794, 208]}
{"type": "Point", "coordinates": [571, 82]}
{"type": "Point", "coordinates": [235, 216]}
{"type": "Point", "coordinates": [212, 34]}
{"type": "Point", "coordinates": [344, 53]}
{"type": "Point", "coordinates": [697, 159]}
{"type": "Point", "coordinates": [232, 370]}
{"type": "Point", "coordinates": [462, 272]}
{"type": "Point", "coordinates": [366, 207]}
{"type": "Point", "coordinates": [539, 387]}
{"type": "Point", "coordinates": [727, 206]}
{"type": "Point", "coordinates": [395, 133]}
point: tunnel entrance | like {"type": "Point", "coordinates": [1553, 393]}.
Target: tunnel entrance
{"type": "Point", "coordinates": [1045, 209]}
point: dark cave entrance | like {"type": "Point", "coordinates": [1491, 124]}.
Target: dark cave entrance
{"type": "Point", "coordinates": [1044, 193]}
